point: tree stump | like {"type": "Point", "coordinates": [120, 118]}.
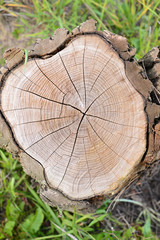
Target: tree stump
{"type": "Point", "coordinates": [82, 114]}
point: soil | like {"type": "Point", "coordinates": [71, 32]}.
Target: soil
{"type": "Point", "coordinates": [146, 191]}
{"type": "Point", "coordinates": [7, 40]}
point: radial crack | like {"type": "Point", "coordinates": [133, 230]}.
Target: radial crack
{"type": "Point", "coordinates": [43, 120]}
{"type": "Point", "coordinates": [18, 109]}
{"type": "Point", "coordinates": [106, 144]}
{"type": "Point", "coordinates": [84, 74]}
{"type": "Point", "coordinates": [48, 77]}
{"type": "Point", "coordinates": [121, 124]}
{"type": "Point", "coordinates": [50, 134]}
{"type": "Point", "coordinates": [69, 76]}
{"type": "Point", "coordinates": [88, 169]}
{"type": "Point", "coordinates": [74, 144]}
{"type": "Point", "coordinates": [101, 72]}
{"type": "Point", "coordinates": [57, 148]}
{"type": "Point", "coordinates": [117, 133]}
{"type": "Point", "coordinates": [102, 94]}
{"type": "Point", "coordinates": [50, 100]}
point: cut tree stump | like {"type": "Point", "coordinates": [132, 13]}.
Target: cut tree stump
{"type": "Point", "coordinates": [82, 114]}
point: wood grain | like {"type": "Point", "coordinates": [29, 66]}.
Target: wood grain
{"type": "Point", "coordinates": [79, 116]}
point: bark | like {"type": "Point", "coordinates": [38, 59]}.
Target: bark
{"type": "Point", "coordinates": [82, 115]}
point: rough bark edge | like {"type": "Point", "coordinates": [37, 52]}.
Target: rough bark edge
{"type": "Point", "coordinates": [147, 83]}
{"type": "Point", "coordinates": [48, 47]}
{"type": "Point", "coordinates": [6, 140]}
{"type": "Point", "coordinates": [151, 67]}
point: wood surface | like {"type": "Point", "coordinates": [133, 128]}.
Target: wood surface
{"type": "Point", "coordinates": [77, 113]}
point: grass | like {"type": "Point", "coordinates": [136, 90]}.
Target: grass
{"type": "Point", "coordinates": [138, 20]}
{"type": "Point", "coordinates": [23, 215]}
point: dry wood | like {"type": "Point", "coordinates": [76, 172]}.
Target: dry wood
{"type": "Point", "coordinates": [80, 114]}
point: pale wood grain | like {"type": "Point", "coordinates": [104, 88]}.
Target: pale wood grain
{"type": "Point", "coordinates": [79, 116]}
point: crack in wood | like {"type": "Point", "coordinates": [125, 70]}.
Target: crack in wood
{"type": "Point", "coordinates": [57, 148]}
{"type": "Point", "coordinates": [48, 77]}
{"type": "Point", "coordinates": [107, 120]}
{"type": "Point", "coordinates": [116, 132]}
{"type": "Point", "coordinates": [69, 76]}
{"type": "Point", "coordinates": [48, 99]}
{"type": "Point", "coordinates": [101, 72]}
{"type": "Point", "coordinates": [84, 74]}
{"type": "Point", "coordinates": [43, 120]}
{"type": "Point", "coordinates": [107, 144]}
{"type": "Point", "coordinates": [74, 144]}
{"type": "Point", "coordinates": [95, 111]}
{"type": "Point", "coordinates": [50, 134]}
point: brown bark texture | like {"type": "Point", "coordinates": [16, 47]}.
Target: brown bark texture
{"type": "Point", "coordinates": [82, 115]}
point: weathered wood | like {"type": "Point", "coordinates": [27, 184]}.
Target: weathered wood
{"type": "Point", "coordinates": [81, 114]}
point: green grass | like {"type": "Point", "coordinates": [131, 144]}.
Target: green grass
{"type": "Point", "coordinates": [138, 20]}
{"type": "Point", "coordinates": [23, 215]}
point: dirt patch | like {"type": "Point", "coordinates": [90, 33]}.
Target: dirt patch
{"type": "Point", "coordinates": [145, 192]}
{"type": "Point", "coordinates": [7, 39]}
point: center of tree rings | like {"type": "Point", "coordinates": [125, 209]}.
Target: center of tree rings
{"type": "Point", "coordinates": [78, 115]}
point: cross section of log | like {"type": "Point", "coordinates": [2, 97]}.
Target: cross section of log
{"type": "Point", "coordinates": [78, 114]}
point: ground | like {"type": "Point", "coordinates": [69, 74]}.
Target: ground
{"type": "Point", "coordinates": [147, 192]}
{"type": "Point", "coordinates": [142, 198]}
